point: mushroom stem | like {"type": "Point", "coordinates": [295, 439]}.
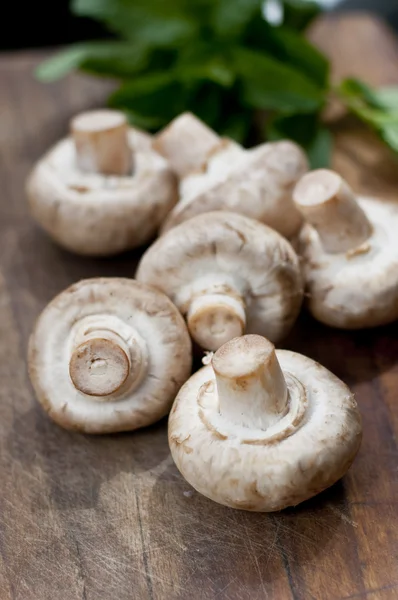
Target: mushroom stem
{"type": "Point", "coordinates": [214, 319]}
{"type": "Point", "coordinates": [102, 361]}
{"type": "Point", "coordinates": [327, 202]}
{"type": "Point", "coordinates": [186, 143]}
{"type": "Point", "coordinates": [251, 387]}
{"type": "Point", "coordinates": [101, 142]}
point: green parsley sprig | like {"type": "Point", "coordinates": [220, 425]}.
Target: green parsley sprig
{"type": "Point", "coordinates": [223, 61]}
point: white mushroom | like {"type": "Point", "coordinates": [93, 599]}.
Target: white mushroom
{"type": "Point", "coordinates": [262, 430]}
{"type": "Point", "coordinates": [218, 174]}
{"type": "Point", "coordinates": [350, 253]}
{"type": "Point", "coordinates": [227, 274]}
{"type": "Point", "coordinates": [103, 190]}
{"type": "Point", "coordinates": [109, 355]}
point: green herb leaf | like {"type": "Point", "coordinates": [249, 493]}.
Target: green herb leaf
{"type": "Point", "coordinates": [377, 108]}
{"type": "Point", "coordinates": [214, 70]}
{"type": "Point", "coordinates": [319, 150]}
{"type": "Point", "coordinates": [61, 64]}
{"type": "Point", "coordinates": [159, 97]}
{"type": "Point", "coordinates": [237, 126]}
{"type": "Point", "coordinates": [297, 51]}
{"type": "Point", "coordinates": [219, 109]}
{"type": "Point", "coordinates": [206, 103]}
{"type": "Point", "coordinates": [230, 17]}
{"type": "Point", "coordinates": [385, 99]}
{"type": "Point", "coordinates": [147, 122]}
{"type": "Point", "coordinates": [389, 133]}
{"type": "Point", "coordinates": [289, 47]}
{"type": "Point", "coordinates": [300, 128]}
{"type": "Point", "coordinates": [154, 99]}
{"type": "Point", "coordinates": [271, 84]}
{"type": "Point", "coordinates": [114, 59]}
{"type": "Point", "coordinates": [299, 13]}
{"type": "Point", "coordinates": [223, 61]}
{"type": "Point", "coordinates": [152, 22]}
{"type": "Point", "coordinates": [205, 61]}
{"type": "Point", "coordinates": [306, 131]}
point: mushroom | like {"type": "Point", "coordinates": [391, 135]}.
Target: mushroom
{"type": "Point", "coordinates": [103, 190]}
{"type": "Point", "coordinates": [227, 274]}
{"type": "Point", "coordinates": [262, 430]}
{"type": "Point", "coordinates": [350, 253]}
{"type": "Point", "coordinates": [109, 355]}
{"type": "Point", "coordinates": [218, 174]}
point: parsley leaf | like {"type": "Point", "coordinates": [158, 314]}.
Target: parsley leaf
{"type": "Point", "coordinates": [223, 61]}
{"type": "Point", "coordinates": [377, 108]}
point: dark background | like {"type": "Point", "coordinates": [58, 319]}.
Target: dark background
{"type": "Point", "coordinates": [35, 23]}
{"type": "Point", "coordinates": [39, 23]}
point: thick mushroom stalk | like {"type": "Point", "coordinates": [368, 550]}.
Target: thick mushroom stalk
{"type": "Point", "coordinates": [186, 143]}
{"type": "Point", "coordinates": [251, 387]}
{"type": "Point", "coordinates": [107, 356]}
{"type": "Point", "coordinates": [327, 202]}
{"type": "Point", "coordinates": [101, 142]}
{"type": "Point", "coordinates": [262, 429]}
{"type": "Point", "coordinates": [349, 253]}
{"type": "Point", "coordinates": [214, 319]}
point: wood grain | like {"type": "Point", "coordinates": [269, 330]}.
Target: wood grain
{"type": "Point", "coordinates": [110, 517]}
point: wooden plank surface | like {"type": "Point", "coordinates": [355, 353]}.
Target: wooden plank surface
{"type": "Point", "coordinates": [110, 517]}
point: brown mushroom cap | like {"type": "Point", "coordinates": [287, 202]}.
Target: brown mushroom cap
{"type": "Point", "coordinates": [218, 174]}
{"type": "Point", "coordinates": [226, 273]}
{"type": "Point", "coordinates": [89, 211]}
{"type": "Point", "coordinates": [261, 429]}
{"type": "Point", "coordinates": [350, 253]}
{"type": "Point", "coordinates": [109, 355]}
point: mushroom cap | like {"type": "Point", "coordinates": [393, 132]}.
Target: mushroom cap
{"type": "Point", "coordinates": [134, 307]}
{"type": "Point", "coordinates": [256, 469]}
{"type": "Point", "coordinates": [257, 183]}
{"type": "Point", "coordinates": [358, 288]}
{"type": "Point", "coordinates": [100, 215]}
{"type": "Point", "coordinates": [223, 252]}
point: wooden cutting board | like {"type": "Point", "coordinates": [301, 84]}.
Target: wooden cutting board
{"type": "Point", "coordinates": [110, 518]}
